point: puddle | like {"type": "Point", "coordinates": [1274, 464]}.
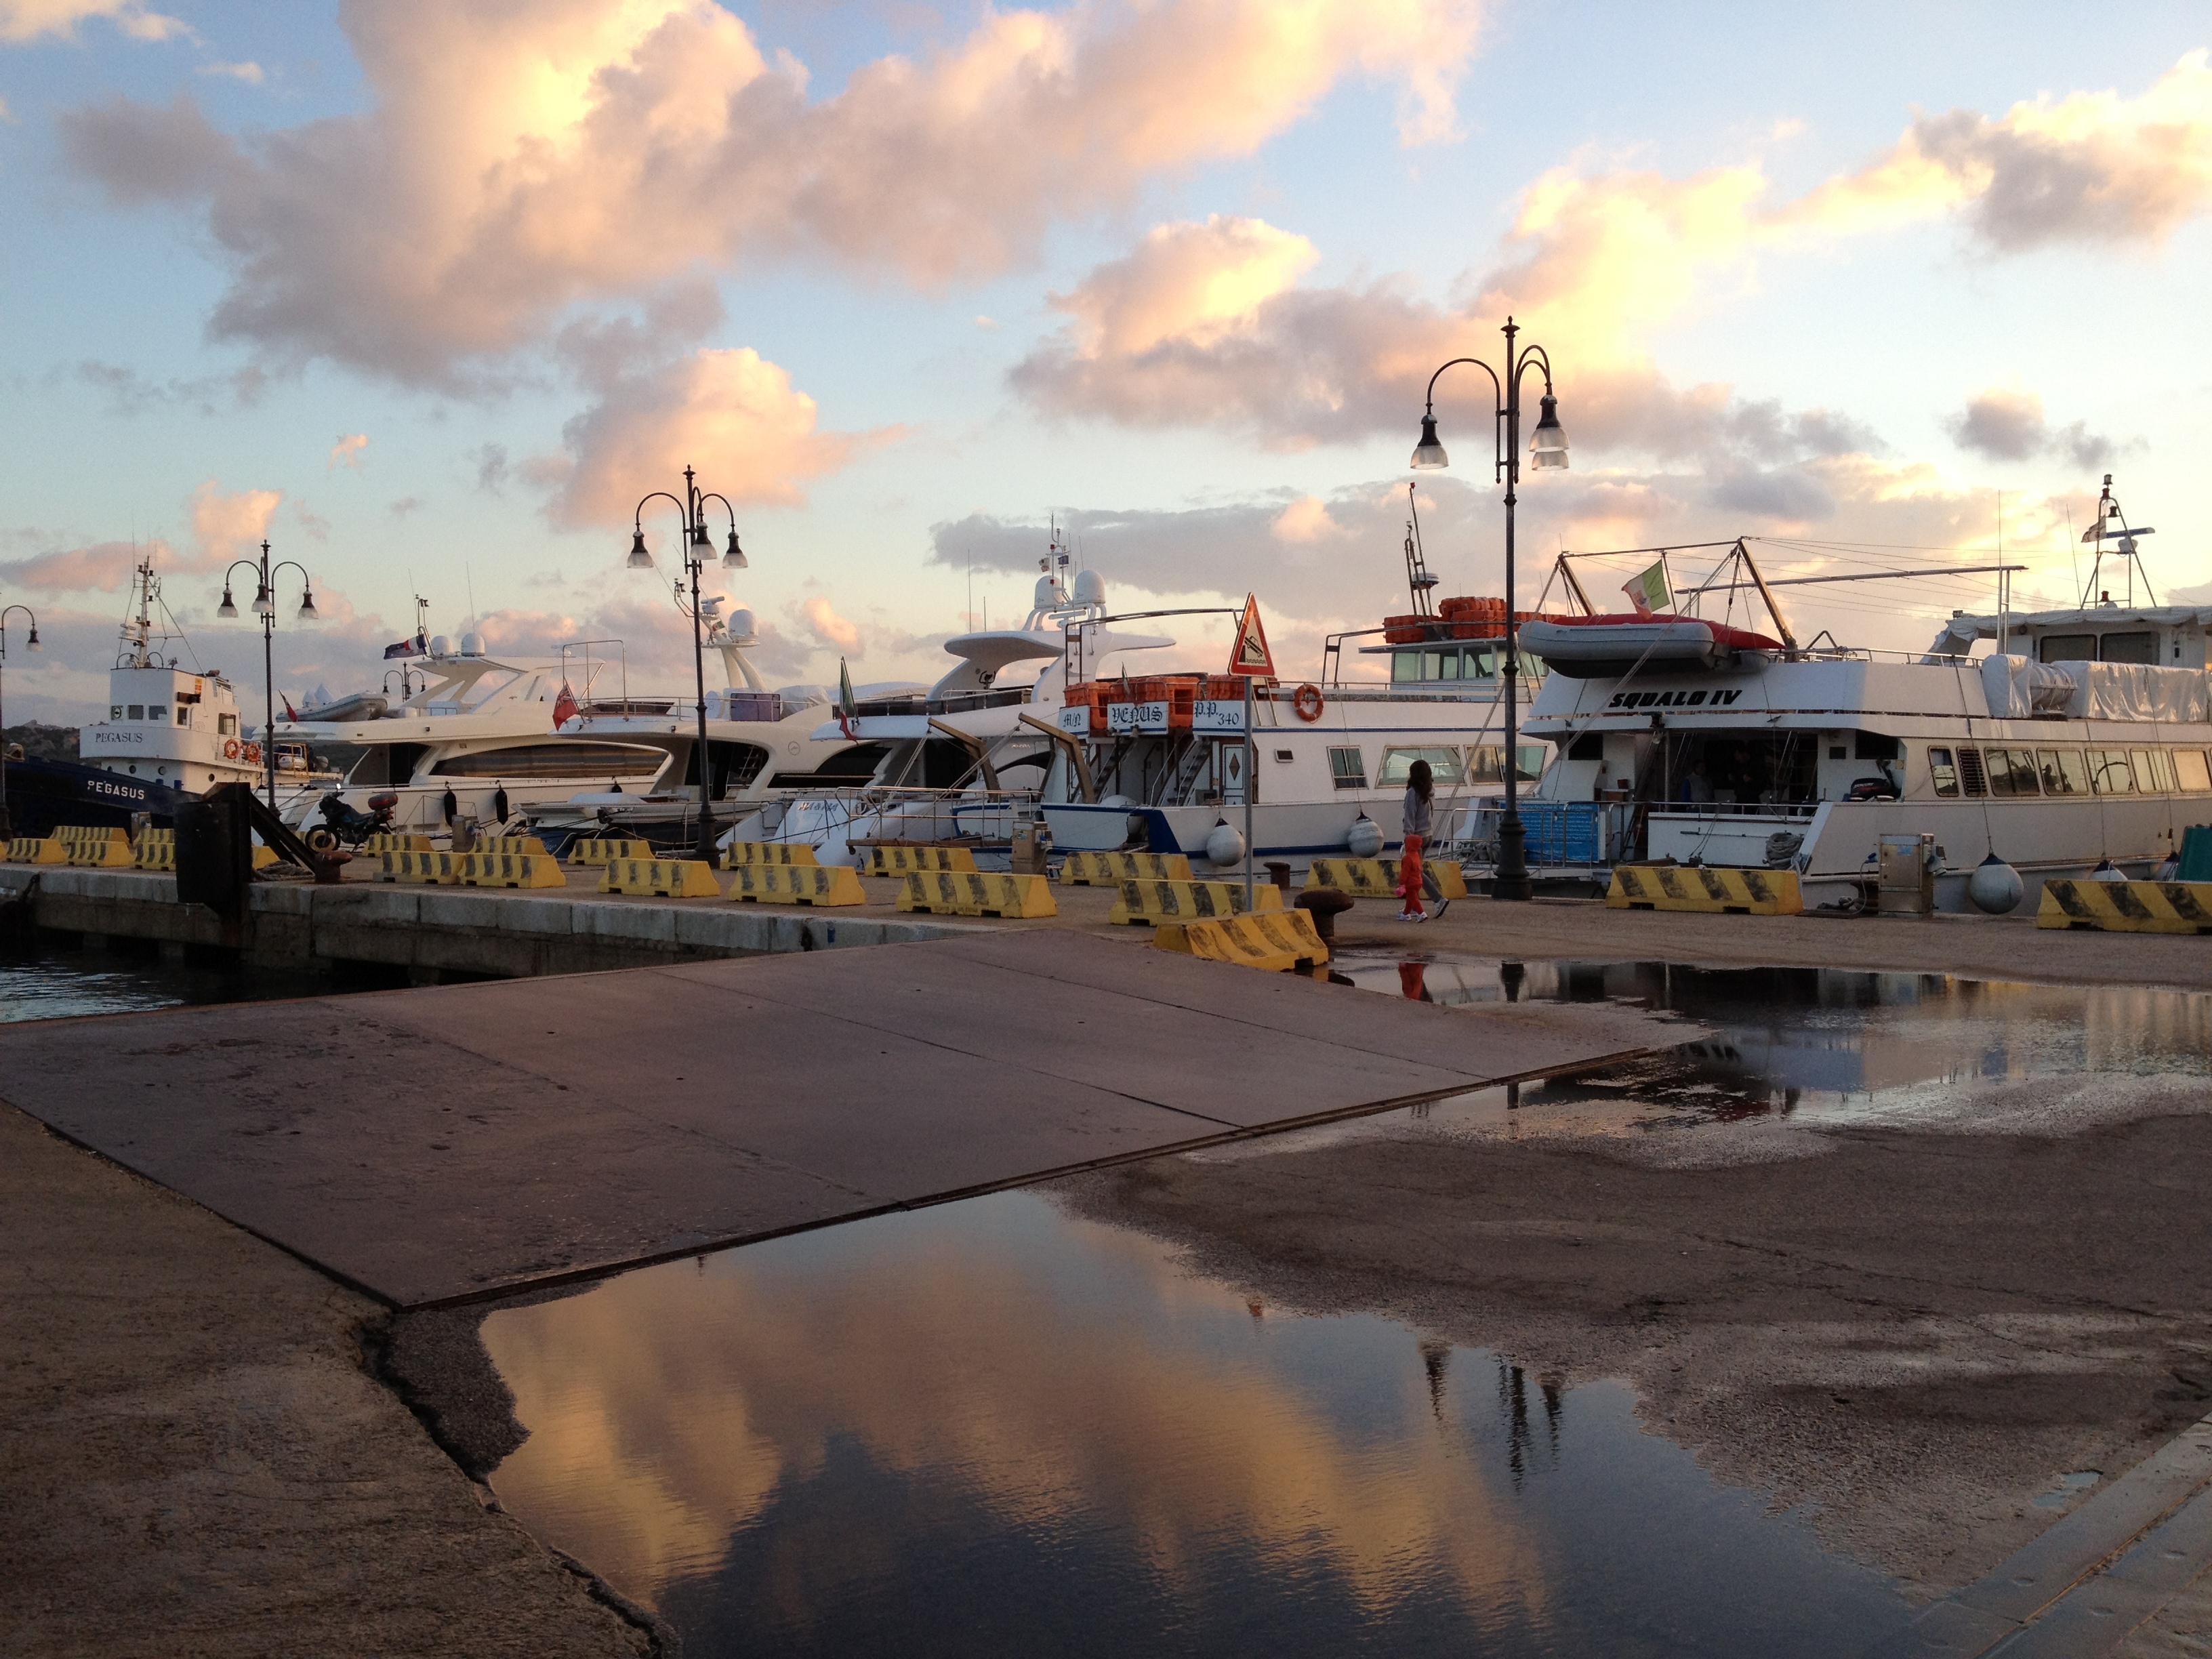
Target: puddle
{"type": "Point", "coordinates": [2066, 1489]}
{"type": "Point", "coordinates": [1816, 1047]}
{"type": "Point", "coordinates": [990, 1426]}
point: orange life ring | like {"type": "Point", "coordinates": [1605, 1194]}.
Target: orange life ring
{"type": "Point", "coordinates": [253, 754]}
{"type": "Point", "coordinates": [230, 750]}
{"type": "Point", "coordinates": [1305, 702]}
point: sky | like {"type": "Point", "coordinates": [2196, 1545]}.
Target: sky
{"type": "Point", "coordinates": [430, 296]}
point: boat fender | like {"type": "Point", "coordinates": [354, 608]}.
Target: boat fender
{"type": "Point", "coordinates": [1224, 846]}
{"type": "Point", "coordinates": [1995, 887]}
{"type": "Point", "coordinates": [1306, 703]}
{"type": "Point", "coordinates": [1364, 840]}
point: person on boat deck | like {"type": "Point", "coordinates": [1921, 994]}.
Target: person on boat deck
{"type": "Point", "coordinates": [1420, 789]}
{"type": "Point", "coordinates": [1697, 787]}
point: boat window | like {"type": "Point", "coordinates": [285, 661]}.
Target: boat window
{"type": "Point", "coordinates": [2128, 648]}
{"type": "Point", "coordinates": [183, 717]}
{"type": "Point", "coordinates": [1970, 772]}
{"type": "Point", "coordinates": [137, 711]}
{"type": "Point", "coordinates": [1532, 665]}
{"type": "Point", "coordinates": [1873, 745]}
{"type": "Point", "coordinates": [2062, 771]}
{"type": "Point", "coordinates": [1346, 767]}
{"type": "Point", "coordinates": [115, 711]}
{"type": "Point", "coordinates": [1942, 773]}
{"type": "Point", "coordinates": [1397, 764]}
{"type": "Point", "coordinates": [157, 711]}
{"type": "Point", "coordinates": [1489, 762]}
{"type": "Point", "coordinates": [1447, 665]}
{"type": "Point", "coordinates": [1480, 665]}
{"type": "Point", "coordinates": [1590, 746]}
{"type": "Point", "coordinates": [1404, 667]}
{"type": "Point", "coordinates": [554, 760]}
{"type": "Point", "coordinates": [2012, 771]}
{"type": "Point", "coordinates": [2068, 648]}
{"type": "Point", "coordinates": [226, 725]}
{"type": "Point", "coordinates": [2191, 772]}
{"type": "Point", "coordinates": [2151, 776]}
{"type": "Point", "coordinates": [2110, 773]}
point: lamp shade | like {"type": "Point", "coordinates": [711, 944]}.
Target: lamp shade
{"type": "Point", "coordinates": [1430, 452]}
{"type": "Point", "coordinates": [639, 558]}
{"type": "Point", "coordinates": [226, 608]}
{"type": "Point", "coordinates": [33, 640]}
{"type": "Point", "coordinates": [262, 607]}
{"type": "Point", "coordinates": [1547, 445]}
{"type": "Point", "coordinates": [307, 612]}
{"type": "Point", "coordinates": [734, 557]}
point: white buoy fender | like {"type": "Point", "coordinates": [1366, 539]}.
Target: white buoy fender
{"type": "Point", "coordinates": [1995, 887]}
{"type": "Point", "coordinates": [1224, 846]}
{"type": "Point", "coordinates": [1364, 840]}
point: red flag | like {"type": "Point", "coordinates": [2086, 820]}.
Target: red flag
{"type": "Point", "coordinates": [289, 714]}
{"type": "Point", "coordinates": [564, 707]}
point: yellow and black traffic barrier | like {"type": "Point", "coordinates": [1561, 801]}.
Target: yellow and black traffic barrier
{"type": "Point", "coordinates": [38, 849]}
{"type": "Point", "coordinates": [604, 850]}
{"type": "Point", "coordinates": [265, 856]}
{"type": "Point", "coordinates": [974, 893]}
{"type": "Point", "coordinates": [770, 855]}
{"type": "Point", "coordinates": [537, 869]}
{"type": "Point", "coordinates": [438, 869]}
{"type": "Point", "coordinates": [1112, 869]}
{"type": "Point", "coordinates": [2128, 907]}
{"type": "Point", "coordinates": [662, 878]}
{"type": "Point", "coordinates": [1144, 903]}
{"type": "Point", "coordinates": [72, 835]}
{"type": "Point", "coordinates": [1378, 878]}
{"type": "Point", "coordinates": [906, 861]}
{"type": "Point", "coordinates": [798, 884]}
{"type": "Point", "coordinates": [1279, 941]}
{"type": "Point", "coordinates": [1717, 889]}
{"type": "Point", "coordinates": [156, 849]}
{"type": "Point", "coordinates": [386, 841]}
{"type": "Point", "coordinates": [101, 854]}
{"type": "Point", "coordinates": [526, 844]}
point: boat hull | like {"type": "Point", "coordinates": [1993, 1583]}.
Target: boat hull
{"type": "Point", "coordinates": [46, 795]}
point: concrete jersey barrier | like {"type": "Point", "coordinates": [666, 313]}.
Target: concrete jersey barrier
{"type": "Point", "coordinates": [1112, 869]}
{"type": "Point", "coordinates": [1706, 887]}
{"type": "Point", "coordinates": [1280, 941]}
{"type": "Point", "coordinates": [1142, 903]}
{"type": "Point", "coordinates": [769, 854]}
{"type": "Point", "coordinates": [602, 850]}
{"type": "Point", "coordinates": [972, 893]}
{"type": "Point", "coordinates": [906, 861]}
{"type": "Point", "coordinates": [2128, 907]}
{"type": "Point", "coordinates": [1378, 878]}
{"type": "Point", "coordinates": [797, 883]}
{"type": "Point", "coordinates": [662, 878]}
{"type": "Point", "coordinates": [37, 849]}
{"type": "Point", "coordinates": [537, 869]}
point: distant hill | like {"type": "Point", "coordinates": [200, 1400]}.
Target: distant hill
{"type": "Point", "coordinates": [42, 742]}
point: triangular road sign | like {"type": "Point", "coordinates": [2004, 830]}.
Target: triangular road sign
{"type": "Point", "coordinates": [1250, 655]}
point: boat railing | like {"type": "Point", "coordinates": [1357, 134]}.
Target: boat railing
{"type": "Point", "coordinates": [1734, 809]}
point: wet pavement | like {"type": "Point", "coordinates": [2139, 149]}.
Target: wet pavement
{"type": "Point", "coordinates": [995, 1427]}
{"type": "Point", "coordinates": [1816, 1047]}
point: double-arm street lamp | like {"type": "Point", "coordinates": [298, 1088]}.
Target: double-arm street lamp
{"type": "Point", "coordinates": [1548, 448]}
{"type": "Point", "coordinates": [264, 606]}
{"type": "Point", "coordinates": [7, 828]}
{"type": "Point", "coordinates": [697, 550]}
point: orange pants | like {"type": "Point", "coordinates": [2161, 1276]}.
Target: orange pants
{"type": "Point", "coordinates": [1409, 876]}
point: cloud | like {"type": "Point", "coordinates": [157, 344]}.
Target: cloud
{"type": "Point", "coordinates": [492, 468]}
{"type": "Point", "coordinates": [2002, 424]}
{"type": "Point", "coordinates": [228, 526]}
{"type": "Point", "coordinates": [346, 452]}
{"type": "Point", "coordinates": [28, 20]}
{"type": "Point", "coordinates": [97, 568]}
{"type": "Point", "coordinates": [406, 504]}
{"type": "Point", "coordinates": [828, 627]}
{"type": "Point", "coordinates": [224, 526]}
{"type": "Point", "coordinates": [129, 393]}
{"type": "Point", "coordinates": [732, 413]}
{"type": "Point", "coordinates": [250, 73]}
{"type": "Point", "coordinates": [1305, 519]}
{"type": "Point", "coordinates": [518, 162]}
{"type": "Point", "coordinates": [1594, 264]}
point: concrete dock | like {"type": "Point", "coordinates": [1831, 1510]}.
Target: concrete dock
{"type": "Point", "coordinates": [424, 1146]}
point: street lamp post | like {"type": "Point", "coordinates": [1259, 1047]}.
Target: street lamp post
{"type": "Point", "coordinates": [691, 509]}
{"type": "Point", "coordinates": [1548, 449]}
{"type": "Point", "coordinates": [7, 825]}
{"type": "Point", "coordinates": [264, 606]}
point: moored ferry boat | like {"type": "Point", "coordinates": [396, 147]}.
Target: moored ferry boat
{"type": "Point", "coordinates": [2085, 742]}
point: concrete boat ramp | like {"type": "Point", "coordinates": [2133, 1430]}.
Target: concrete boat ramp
{"type": "Point", "coordinates": [443, 1144]}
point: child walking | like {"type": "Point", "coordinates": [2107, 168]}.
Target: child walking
{"type": "Point", "coordinates": [1420, 788]}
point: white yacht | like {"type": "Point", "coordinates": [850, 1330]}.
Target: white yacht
{"type": "Point", "coordinates": [761, 743]}
{"type": "Point", "coordinates": [470, 734]}
{"type": "Point", "coordinates": [2085, 740]}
